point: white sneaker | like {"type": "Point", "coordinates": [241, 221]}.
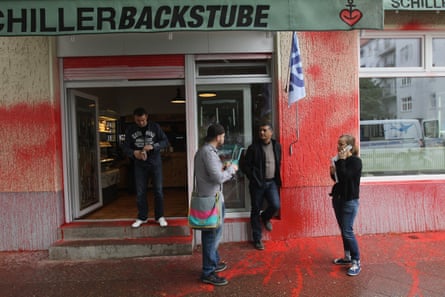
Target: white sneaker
{"type": "Point", "coordinates": [138, 223]}
{"type": "Point", "coordinates": [162, 222]}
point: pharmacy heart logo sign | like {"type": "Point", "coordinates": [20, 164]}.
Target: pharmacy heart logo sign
{"type": "Point", "coordinates": [351, 16]}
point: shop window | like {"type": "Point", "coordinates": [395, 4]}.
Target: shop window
{"type": "Point", "coordinates": [391, 52]}
{"type": "Point", "coordinates": [402, 104]}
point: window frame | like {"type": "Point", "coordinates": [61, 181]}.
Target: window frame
{"type": "Point", "coordinates": [425, 70]}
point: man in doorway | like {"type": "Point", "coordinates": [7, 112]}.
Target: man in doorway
{"type": "Point", "coordinates": [143, 141]}
{"type": "Point", "coordinates": [210, 174]}
{"type": "Point", "coordinates": [262, 167]}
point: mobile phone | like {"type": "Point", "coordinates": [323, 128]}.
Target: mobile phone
{"type": "Point", "coordinates": [348, 148]}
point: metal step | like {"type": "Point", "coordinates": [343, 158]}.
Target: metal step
{"type": "Point", "coordinates": [116, 239]}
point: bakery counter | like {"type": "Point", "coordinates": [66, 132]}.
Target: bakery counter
{"type": "Point", "coordinates": [109, 180]}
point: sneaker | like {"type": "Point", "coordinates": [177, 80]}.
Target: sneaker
{"type": "Point", "coordinates": [355, 268]}
{"type": "Point", "coordinates": [162, 222]}
{"type": "Point", "coordinates": [138, 223]}
{"type": "Point", "coordinates": [342, 261]}
{"type": "Point", "coordinates": [214, 279]}
{"type": "Point", "coordinates": [258, 245]}
{"type": "Point", "coordinates": [221, 267]}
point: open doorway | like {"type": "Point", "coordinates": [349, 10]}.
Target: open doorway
{"type": "Point", "coordinates": [113, 114]}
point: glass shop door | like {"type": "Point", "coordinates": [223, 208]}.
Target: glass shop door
{"type": "Point", "coordinates": [231, 107]}
{"type": "Point", "coordinates": [85, 183]}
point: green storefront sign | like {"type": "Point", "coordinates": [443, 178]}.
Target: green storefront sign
{"type": "Point", "coordinates": [68, 17]}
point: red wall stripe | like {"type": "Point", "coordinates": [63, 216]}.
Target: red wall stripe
{"type": "Point", "coordinates": [130, 61]}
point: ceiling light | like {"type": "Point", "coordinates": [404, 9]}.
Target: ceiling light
{"type": "Point", "coordinates": [207, 95]}
{"type": "Point", "coordinates": [178, 98]}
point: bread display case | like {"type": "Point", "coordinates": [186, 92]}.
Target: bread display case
{"type": "Point", "coordinates": [108, 157]}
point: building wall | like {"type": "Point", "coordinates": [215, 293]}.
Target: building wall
{"type": "Point", "coordinates": [330, 109]}
{"type": "Point", "coordinates": [31, 188]}
{"type": "Point", "coordinates": [313, 125]}
{"type": "Point", "coordinates": [30, 156]}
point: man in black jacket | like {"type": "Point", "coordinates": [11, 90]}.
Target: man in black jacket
{"type": "Point", "coordinates": [143, 142]}
{"type": "Point", "coordinates": [262, 167]}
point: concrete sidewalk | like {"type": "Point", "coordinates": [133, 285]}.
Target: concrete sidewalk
{"type": "Point", "coordinates": [402, 265]}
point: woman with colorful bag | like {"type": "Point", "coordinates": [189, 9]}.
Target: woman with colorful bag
{"type": "Point", "coordinates": [210, 174]}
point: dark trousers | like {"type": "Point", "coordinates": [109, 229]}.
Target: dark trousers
{"type": "Point", "coordinates": [268, 192]}
{"type": "Point", "coordinates": [142, 174]}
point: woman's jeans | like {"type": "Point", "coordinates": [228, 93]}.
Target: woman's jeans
{"type": "Point", "coordinates": [141, 175]}
{"type": "Point", "coordinates": [345, 213]}
{"type": "Point", "coordinates": [210, 240]}
{"type": "Point", "coordinates": [268, 191]}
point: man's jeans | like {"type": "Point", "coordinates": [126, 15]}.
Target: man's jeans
{"type": "Point", "coordinates": [345, 213]}
{"type": "Point", "coordinates": [210, 241]}
{"type": "Point", "coordinates": [268, 191]}
{"type": "Point", "coordinates": [141, 176]}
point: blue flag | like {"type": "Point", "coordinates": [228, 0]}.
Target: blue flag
{"type": "Point", "coordinates": [296, 79]}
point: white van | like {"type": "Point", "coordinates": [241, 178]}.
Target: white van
{"type": "Point", "coordinates": [392, 147]}
{"type": "Point", "coordinates": [395, 133]}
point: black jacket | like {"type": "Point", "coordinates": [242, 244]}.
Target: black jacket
{"type": "Point", "coordinates": [136, 138]}
{"type": "Point", "coordinates": [253, 164]}
{"type": "Point", "coordinates": [349, 172]}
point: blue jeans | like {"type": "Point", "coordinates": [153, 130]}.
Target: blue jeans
{"type": "Point", "coordinates": [210, 240]}
{"type": "Point", "coordinates": [141, 175]}
{"type": "Point", "coordinates": [345, 213]}
{"type": "Point", "coordinates": [268, 191]}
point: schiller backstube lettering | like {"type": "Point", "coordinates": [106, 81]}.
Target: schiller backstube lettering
{"type": "Point", "coordinates": [128, 18]}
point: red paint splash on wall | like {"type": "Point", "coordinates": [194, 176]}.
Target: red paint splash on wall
{"type": "Point", "coordinates": [413, 26]}
{"type": "Point", "coordinates": [30, 159]}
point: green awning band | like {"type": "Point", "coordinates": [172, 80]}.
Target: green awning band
{"type": "Point", "coordinates": [69, 17]}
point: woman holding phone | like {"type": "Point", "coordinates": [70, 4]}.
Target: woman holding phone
{"type": "Point", "coordinates": [346, 170]}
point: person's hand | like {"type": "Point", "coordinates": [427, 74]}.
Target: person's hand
{"type": "Point", "coordinates": [140, 155]}
{"type": "Point", "coordinates": [235, 167]}
{"type": "Point", "coordinates": [148, 147]}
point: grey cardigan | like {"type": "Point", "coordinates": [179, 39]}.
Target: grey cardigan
{"type": "Point", "coordinates": [209, 171]}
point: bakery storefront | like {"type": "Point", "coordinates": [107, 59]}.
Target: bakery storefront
{"type": "Point", "coordinates": [75, 70]}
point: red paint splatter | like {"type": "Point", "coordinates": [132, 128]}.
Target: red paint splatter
{"type": "Point", "coordinates": [413, 26]}
{"type": "Point", "coordinates": [31, 154]}
{"type": "Point", "coordinates": [314, 72]}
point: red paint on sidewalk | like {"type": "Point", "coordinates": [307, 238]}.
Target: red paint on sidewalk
{"type": "Point", "coordinates": [408, 265]}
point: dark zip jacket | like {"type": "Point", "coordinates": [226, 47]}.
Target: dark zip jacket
{"type": "Point", "coordinates": [136, 138]}
{"type": "Point", "coordinates": [254, 163]}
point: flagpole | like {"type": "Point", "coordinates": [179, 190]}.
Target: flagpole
{"type": "Point", "coordinates": [289, 68]}
{"type": "Point", "coordinates": [287, 91]}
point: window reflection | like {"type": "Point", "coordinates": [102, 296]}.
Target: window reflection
{"type": "Point", "coordinates": [438, 52]}
{"type": "Point", "coordinates": [390, 52]}
{"type": "Point", "coordinates": [402, 127]}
